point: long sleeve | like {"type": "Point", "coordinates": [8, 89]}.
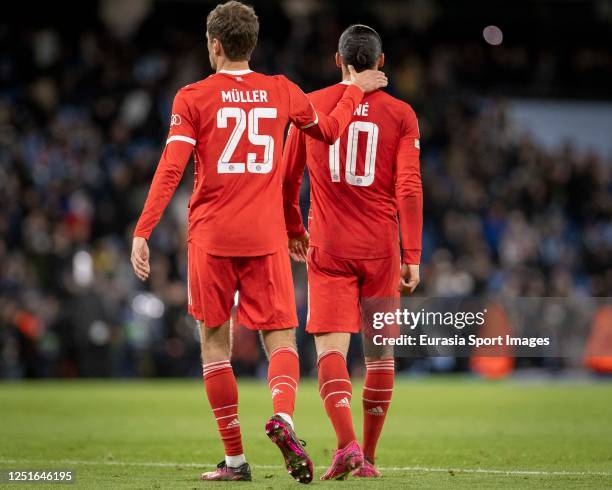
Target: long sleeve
{"type": "Point", "coordinates": [167, 177]}
{"type": "Point", "coordinates": [409, 191]}
{"type": "Point", "coordinates": [179, 146]}
{"type": "Point", "coordinates": [294, 161]}
{"type": "Point", "coordinates": [320, 126]}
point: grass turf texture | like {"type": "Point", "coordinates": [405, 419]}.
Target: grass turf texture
{"type": "Point", "coordinates": [161, 434]}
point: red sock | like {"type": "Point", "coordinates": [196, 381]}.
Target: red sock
{"type": "Point", "coordinates": [222, 394]}
{"type": "Point", "coordinates": [377, 391]}
{"type": "Point", "coordinates": [283, 379]}
{"type": "Point", "coordinates": [336, 392]}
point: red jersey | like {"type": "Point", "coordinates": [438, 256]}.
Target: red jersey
{"type": "Point", "coordinates": [234, 124]}
{"type": "Point", "coordinates": [361, 182]}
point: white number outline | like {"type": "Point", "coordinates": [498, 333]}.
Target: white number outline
{"type": "Point", "coordinates": [264, 140]}
{"type": "Point", "coordinates": [351, 155]}
{"type": "Point", "coordinates": [225, 165]}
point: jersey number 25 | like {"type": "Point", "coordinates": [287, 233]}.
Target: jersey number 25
{"type": "Point", "coordinates": [225, 165]}
{"type": "Point", "coordinates": [352, 143]}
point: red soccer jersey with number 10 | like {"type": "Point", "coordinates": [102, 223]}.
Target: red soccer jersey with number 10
{"type": "Point", "coordinates": [234, 123]}
{"type": "Point", "coordinates": [360, 183]}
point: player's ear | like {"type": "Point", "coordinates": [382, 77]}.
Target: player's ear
{"type": "Point", "coordinates": [338, 61]}
{"type": "Point", "coordinates": [217, 47]}
{"type": "Point", "coordinates": [381, 60]}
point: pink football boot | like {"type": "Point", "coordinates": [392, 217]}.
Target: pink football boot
{"type": "Point", "coordinates": [227, 473]}
{"type": "Point", "coordinates": [345, 461]}
{"type": "Point", "coordinates": [297, 461]}
{"type": "Point", "coordinates": [368, 470]}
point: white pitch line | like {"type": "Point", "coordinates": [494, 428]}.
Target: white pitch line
{"type": "Point", "coordinates": [421, 469]}
{"type": "Point", "coordinates": [492, 471]}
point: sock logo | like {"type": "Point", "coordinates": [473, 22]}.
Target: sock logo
{"type": "Point", "coordinates": [344, 402]}
{"type": "Point", "coordinates": [275, 392]}
{"type": "Point", "coordinates": [233, 423]}
{"type": "Point", "coordinates": [375, 411]}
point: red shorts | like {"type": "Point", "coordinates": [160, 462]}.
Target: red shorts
{"type": "Point", "coordinates": [265, 285]}
{"type": "Point", "coordinates": [343, 294]}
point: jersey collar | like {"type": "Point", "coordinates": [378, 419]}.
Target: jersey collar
{"type": "Point", "coordinates": [235, 72]}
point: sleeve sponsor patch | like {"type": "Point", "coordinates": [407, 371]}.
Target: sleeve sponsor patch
{"type": "Point", "coordinates": [175, 120]}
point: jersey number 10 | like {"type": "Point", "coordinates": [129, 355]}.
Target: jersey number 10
{"type": "Point", "coordinates": [225, 165]}
{"type": "Point", "coordinates": [352, 143]}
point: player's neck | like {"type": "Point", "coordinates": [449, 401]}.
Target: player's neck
{"type": "Point", "coordinates": [228, 65]}
{"type": "Point", "coordinates": [346, 76]}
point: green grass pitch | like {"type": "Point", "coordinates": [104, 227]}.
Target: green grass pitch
{"type": "Point", "coordinates": [458, 433]}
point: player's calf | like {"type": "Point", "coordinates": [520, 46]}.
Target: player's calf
{"type": "Point", "coordinates": [283, 379]}
{"type": "Point", "coordinates": [336, 392]}
{"type": "Point", "coordinates": [222, 392]}
{"type": "Point", "coordinates": [376, 398]}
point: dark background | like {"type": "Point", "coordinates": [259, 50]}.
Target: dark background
{"type": "Point", "coordinates": [85, 94]}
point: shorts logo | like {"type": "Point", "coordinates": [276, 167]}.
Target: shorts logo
{"type": "Point", "coordinates": [175, 120]}
{"type": "Point", "coordinates": [417, 143]}
{"type": "Point", "coordinates": [233, 423]}
{"type": "Point", "coordinates": [343, 403]}
{"type": "Point", "coordinates": [378, 411]}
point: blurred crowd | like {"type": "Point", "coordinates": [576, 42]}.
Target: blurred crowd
{"type": "Point", "coordinates": [83, 116]}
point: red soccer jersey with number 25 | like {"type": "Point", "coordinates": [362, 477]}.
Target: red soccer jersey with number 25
{"type": "Point", "coordinates": [361, 182]}
{"type": "Point", "coordinates": [234, 124]}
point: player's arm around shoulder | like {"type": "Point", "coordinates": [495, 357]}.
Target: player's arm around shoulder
{"type": "Point", "coordinates": [328, 127]}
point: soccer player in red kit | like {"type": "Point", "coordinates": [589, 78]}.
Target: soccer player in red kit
{"type": "Point", "coordinates": [358, 186]}
{"type": "Point", "coordinates": [233, 123]}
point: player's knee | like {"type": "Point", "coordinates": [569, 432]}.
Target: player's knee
{"type": "Point", "coordinates": [328, 342]}
{"type": "Point", "coordinates": [215, 342]}
{"type": "Point", "coordinates": [277, 339]}
{"type": "Point", "coordinates": [373, 352]}
{"type": "Point", "coordinates": [376, 352]}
